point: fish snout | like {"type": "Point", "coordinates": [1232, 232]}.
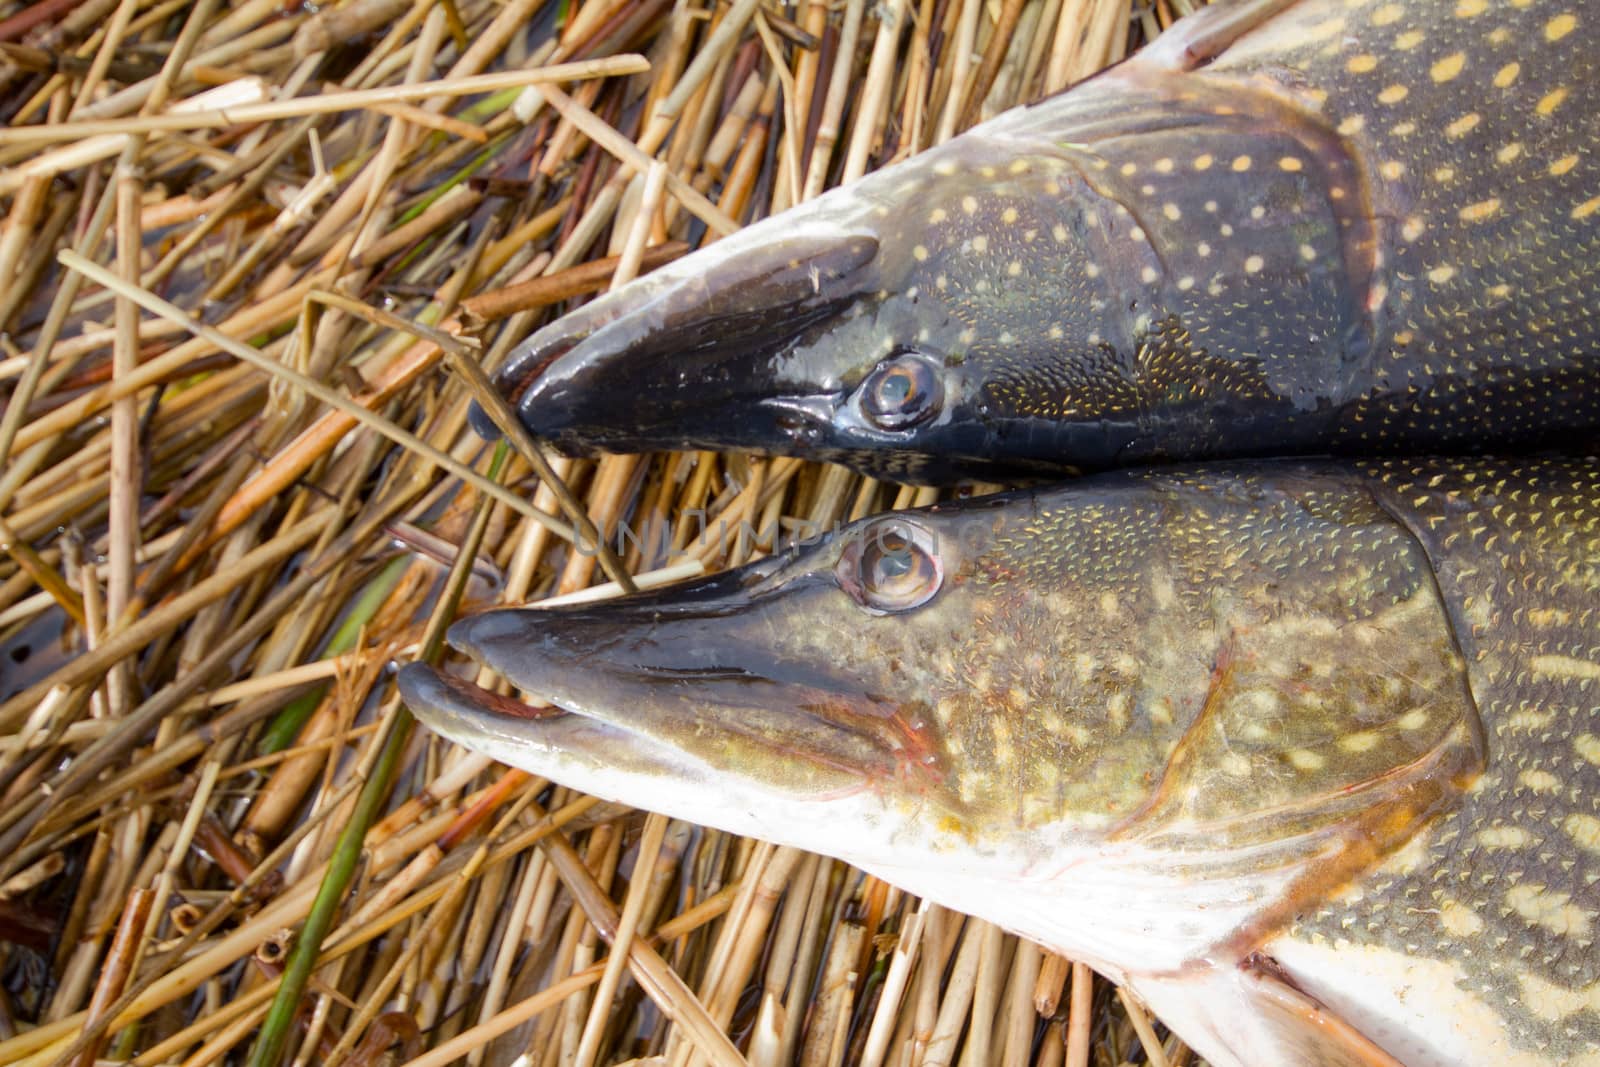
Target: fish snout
{"type": "Point", "coordinates": [662, 362]}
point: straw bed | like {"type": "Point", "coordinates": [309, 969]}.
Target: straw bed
{"type": "Point", "coordinates": [252, 259]}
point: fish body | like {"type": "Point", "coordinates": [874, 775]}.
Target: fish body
{"type": "Point", "coordinates": [1306, 753]}
{"type": "Point", "coordinates": [1348, 226]}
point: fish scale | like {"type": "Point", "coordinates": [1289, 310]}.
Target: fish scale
{"type": "Point", "coordinates": [1330, 225]}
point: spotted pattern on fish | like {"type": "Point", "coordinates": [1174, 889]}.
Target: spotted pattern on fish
{"type": "Point", "coordinates": [1505, 888]}
{"type": "Point", "coordinates": [1439, 271]}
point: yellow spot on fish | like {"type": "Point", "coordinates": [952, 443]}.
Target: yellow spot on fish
{"type": "Point", "coordinates": [1483, 209]}
{"type": "Point", "coordinates": [919, 253]}
{"type": "Point", "coordinates": [1392, 169]}
{"type": "Point", "coordinates": [1412, 228]}
{"type": "Point", "coordinates": [1117, 708]}
{"type": "Point", "coordinates": [1236, 765]}
{"type": "Point", "coordinates": [1056, 332]}
{"type": "Point", "coordinates": [1539, 781]}
{"type": "Point", "coordinates": [1404, 129]}
{"type": "Point", "coordinates": [1186, 283]}
{"type": "Point", "coordinates": [1149, 275]}
{"type": "Point", "coordinates": [1583, 211]}
{"type": "Point", "coordinates": [1352, 124]}
{"type": "Point", "coordinates": [1254, 264]}
{"type": "Point", "coordinates": [1463, 125]}
{"type": "Point", "coordinates": [1059, 233]}
{"type": "Point", "coordinates": [1471, 8]}
{"type": "Point", "coordinates": [1241, 164]}
{"type": "Point", "coordinates": [1459, 919]}
{"type": "Point", "coordinates": [1308, 253]}
{"type": "Point", "coordinates": [937, 216]}
{"type": "Point", "coordinates": [1362, 64]}
{"type": "Point", "coordinates": [1408, 40]}
{"type": "Point", "coordinates": [1014, 268]}
{"type": "Point", "coordinates": [1171, 211]}
{"type": "Point", "coordinates": [1444, 174]}
{"type": "Point", "coordinates": [1360, 741]}
{"type": "Point", "coordinates": [1529, 720]}
{"type": "Point", "coordinates": [1550, 909]}
{"type": "Point", "coordinates": [1504, 837]}
{"type": "Point", "coordinates": [1306, 760]}
{"type": "Point", "coordinates": [1506, 75]}
{"type": "Point", "coordinates": [1584, 831]}
{"type": "Point", "coordinates": [1415, 719]}
{"type": "Point", "coordinates": [1563, 165]}
{"type": "Point", "coordinates": [1569, 666]}
{"type": "Point", "coordinates": [980, 243]}
{"type": "Point", "coordinates": [1164, 166]}
{"type": "Point", "coordinates": [1203, 161]}
{"type": "Point", "coordinates": [1588, 746]}
{"type": "Point", "coordinates": [944, 169]}
{"type": "Point", "coordinates": [1552, 1002]}
{"type": "Point", "coordinates": [1008, 216]}
{"type": "Point", "coordinates": [1292, 164]}
{"type": "Point", "coordinates": [1019, 167]}
{"type": "Point", "coordinates": [1550, 101]}
{"type": "Point", "coordinates": [1448, 67]}
{"type": "Point", "coordinates": [969, 204]}
{"type": "Point", "coordinates": [1203, 248]}
{"type": "Point", "coordinates": [1509, 153]}
{"type": "Point", "coordinates": [1560, 26]}
{"type": "Point", "coordinates": [1441, 275]}
{"type": "Point", "coordinates": [1387, 14]}
{"type": "Point", "coordinates": [1393, 94]}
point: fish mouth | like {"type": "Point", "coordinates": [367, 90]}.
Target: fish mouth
{"type": "Point", "coordinates": [661, 362]}
{"type": "Point", "coordinates": [681, 684]}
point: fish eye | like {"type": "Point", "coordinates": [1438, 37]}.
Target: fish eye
{"type": "Point", "coordinates": [901, 392]}
{"type": "Point", "coordinates": [891, 567]}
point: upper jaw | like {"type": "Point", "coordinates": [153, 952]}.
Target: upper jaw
{"type": "Point", "coordinates": [635, 366]}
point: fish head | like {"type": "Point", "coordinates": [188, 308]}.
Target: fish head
{"type": "Point", "coordinates": [1094, 688]}
{"type": "Point", "coordinates": [891, 325]}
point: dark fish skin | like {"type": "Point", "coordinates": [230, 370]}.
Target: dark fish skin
{"type": "Point", "coordinates": [1287, 227]}
{"type": "Point", "coordinates": [1306, 753]}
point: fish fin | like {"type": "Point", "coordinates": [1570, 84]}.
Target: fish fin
{"type": "Point", "coordinates": [1195, 41]}
{"type": "Point", "coordinates": [1252, 1014]}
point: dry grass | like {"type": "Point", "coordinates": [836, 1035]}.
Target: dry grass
{"type": "Point", "coordinates": [250, 256]}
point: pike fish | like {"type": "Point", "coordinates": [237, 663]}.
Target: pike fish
{"type": "Point", "coordinates": [1286, 227]}
{"type": "Point", "coordinates": [1306, 753]}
